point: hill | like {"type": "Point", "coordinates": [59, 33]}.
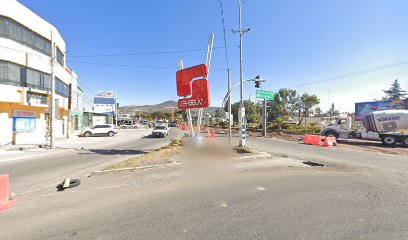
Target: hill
{"type": "Point", "coordinates": [161, 107]}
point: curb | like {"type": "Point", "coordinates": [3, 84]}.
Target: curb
{"type": "Point", "coordinates": [254, 156]}
{"type": "Point", "coordinates": [149, 167]}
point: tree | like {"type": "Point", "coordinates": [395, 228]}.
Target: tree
{"type": "Point", "coordinates": [286, 103]}
{"type": "Point", "coordinates": [252, 111]}
{"type": "Point", "coordinates": [332, 111]}
{"type": "Point", "coordinates": [395, 92]}
{"type": "Point", "coordinates": [307, 102]}
{"type": "Point", "coordinates": [279, 122]}
{"type": "Point", "coordinates": [318, 112]}
{"type": "Point", "coordinates": [218, 113]}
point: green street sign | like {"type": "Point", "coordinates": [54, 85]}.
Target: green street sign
{"type": "Point", "coordinates": [267, 95]}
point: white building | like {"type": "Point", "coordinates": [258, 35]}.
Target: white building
{"type": "Point", "coordinates": [27, 43]}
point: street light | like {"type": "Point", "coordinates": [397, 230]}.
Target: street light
{"type": "Point", "coordinates": [257, 81]}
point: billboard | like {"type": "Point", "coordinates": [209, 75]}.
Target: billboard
{"type": "Point", "coordinates": [105, 102]}
{"type": "Point", "coordinates": [364, 108]}
{"type": "Point", "coordinates": [106, 94]}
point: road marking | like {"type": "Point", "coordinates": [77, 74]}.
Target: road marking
{"type": "Point", "coordinates": [260, 188]}
{"type": "Point", "coordinates": [224, 204]}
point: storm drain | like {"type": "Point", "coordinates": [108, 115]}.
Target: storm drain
{"type": "Point", "coordinates": [313, 164]}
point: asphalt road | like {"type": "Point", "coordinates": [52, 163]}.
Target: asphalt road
{"type": "Point", "coordinates": [30, 174]}
{"type": "Point", "coordinates": [345, 199]}
{"type": "Point", "coordinates": [386, 163]}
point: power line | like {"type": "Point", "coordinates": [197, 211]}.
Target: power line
{"type": "Point", "coordinates": [353, 74]}
{"type": "Point", "coordinates": [123, 65]}
{"type": "Point", "coordinates": [224, 34]}
{"type": "Point", "coordinates": [147, 53]}
{"type": "Point", "coordinates": [135, 66]}
{"type": "Point", "coordinates": [87, 88]}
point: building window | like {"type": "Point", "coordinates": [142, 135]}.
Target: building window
{"type": "Point", "coordinates": [10, 74]}
{"type": "Point", "coordinates": [61, 88]}
{"type": "Point", "coordinates": [38, 80]}
{"type": "Point", "coordinates": [17, 75]}
{"type": "Point", "coordinates": [15, 31]}
{"type": "Point", "coordinates": [37, 98]}
{"type": "Point", "coordinates": [60, 57]}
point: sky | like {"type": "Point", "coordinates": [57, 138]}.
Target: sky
{"type": "Point", "coordinates": [344, 51]}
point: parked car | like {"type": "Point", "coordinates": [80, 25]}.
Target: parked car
{"type": "Point", "coordinates": [128, 125]}
{"type": "Point", "coordinates": [160, 131]}
{"type": "Point", "coordinates": [172, 124]}
{"type": "Point", "coordinates": [100, 129]}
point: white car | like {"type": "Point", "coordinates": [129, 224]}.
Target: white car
{"type": "Point", "coordinates": [160, 131]}
{"type": "Point", "coordinates": [128, 125]}
{"type": "Point", "coordinates": [101, 129]}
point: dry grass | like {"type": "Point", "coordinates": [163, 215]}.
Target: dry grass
{"type": "Point", "coordinates": [243, 150]}
{"type": "Point", "coordinates": [163, 155]}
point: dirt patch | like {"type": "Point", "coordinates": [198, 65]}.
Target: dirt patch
{"type": "Point", "coordinates": [357, 144]}
{"type": "Point", "coordinates": [294, 137]}
{"type": "Point", "coordinates": [164, 155]}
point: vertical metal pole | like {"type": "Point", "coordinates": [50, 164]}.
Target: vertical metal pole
{"type": "Point", "coordinates": [229, 108]}
{"type": "Point", "coordinates": [241, 81]}
{"type": "Point", "coordinates": [116, 108]}
{"type": "Point", "coordinates": [52, 100]}
{"type": "Point", "coordinates": [264, 119]}
{"type": "Point", "coordinates": [189, 118]}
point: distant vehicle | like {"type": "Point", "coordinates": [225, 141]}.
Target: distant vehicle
{"type": "Point", "coordinates": [101, 129]}
{"type": "Point", "coordinates": [172, 124]}
{"type": "Point", "coordinates": [128, 125]}
{"type": "Point", "coordinates": [145, 122]}
{"type": "Point", "coordinates": [162, 123]}
{"type": "Point", "coordinates": [160, 131]}
{"type": "Point", "coordinates": [381, 125]}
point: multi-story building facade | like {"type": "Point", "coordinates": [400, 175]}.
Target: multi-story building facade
{"type": "Point", "coordinates": [27, 46]}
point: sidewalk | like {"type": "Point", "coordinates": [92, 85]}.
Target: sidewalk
{"type": "Point", "coordinates": [19, 152]}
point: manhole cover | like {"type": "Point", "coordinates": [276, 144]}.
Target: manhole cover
{"type": "Point", "coordinates": [313, 164]}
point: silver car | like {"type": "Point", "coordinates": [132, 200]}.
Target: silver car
{"type": "Point", "coordinates": [128, 125]}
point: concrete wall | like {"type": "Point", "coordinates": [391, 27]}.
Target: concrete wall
{"type": "Point", "coordinates": [6, 129]}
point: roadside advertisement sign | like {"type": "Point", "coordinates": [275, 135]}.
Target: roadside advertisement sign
{"type": "Point", "coordinates": [24, 124]}
{"type": "Point", "coordinates": [24, 113]}
{"type": "Point", "coordinates": [364, 108]}
{"type": "Point", "coordinates": [199, 90]}
{"type": "Point", "coordinates": [107, 94]}
{"type": "Point", "coordinates": [267, 95]}
{"type": "Point", "coordinates": [105, 102]}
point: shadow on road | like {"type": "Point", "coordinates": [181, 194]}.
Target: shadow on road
{"type": "Point", "coordinates": [115, 152]}
{"type": "Point", "coordinates": [364, 143]}
{"type": "Point", "coordinates": [150, 136]}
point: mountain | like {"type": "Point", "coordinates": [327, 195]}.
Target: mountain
{"type": "Point", "coordinates": [162, 107]}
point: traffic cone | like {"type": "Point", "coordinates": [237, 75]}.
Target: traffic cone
{"type": "Point", "coordinates": [5, 201]}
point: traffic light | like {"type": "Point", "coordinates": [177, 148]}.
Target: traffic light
{"type": "Point", "coordinates": [257, 81]}
{"type": "Point", "coordinates": [257, 84]}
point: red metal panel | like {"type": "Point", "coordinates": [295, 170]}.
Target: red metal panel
{"type": "Point", "coordinates": [185, 77]}
{"type": "Point", "coordinates": [200, 96]}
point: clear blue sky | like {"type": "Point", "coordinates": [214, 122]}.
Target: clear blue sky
{"type": "Point", "coordinates": [291, 42]}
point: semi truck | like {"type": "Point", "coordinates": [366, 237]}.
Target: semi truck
{"type": "Point", "coordinates": [389, 126]}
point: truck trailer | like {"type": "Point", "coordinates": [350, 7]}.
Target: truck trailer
{"type": "Point", "coordinates": [389, 126]}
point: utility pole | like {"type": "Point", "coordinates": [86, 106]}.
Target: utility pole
{"type": "Point", "coordinates": [230, 119]}
{"type": "Point", "coordinates": [264, 113]}
{"type": "Point", "coordinates": [52, 100]}
{"type": "Point", "coordinates": [241, 114]}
